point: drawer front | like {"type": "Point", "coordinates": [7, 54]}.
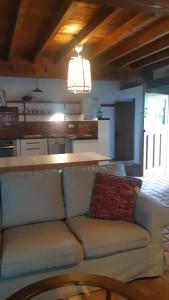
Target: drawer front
{"type": "Point", "coordinates": [33, 147]}
{"type": "Point", "coordinates": [31, 151]}
{"type": "Point", "coordinates": [31, 142]}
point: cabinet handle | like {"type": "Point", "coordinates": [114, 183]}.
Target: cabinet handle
{"type": "Point", "coordinates": [32, 149]}
{"type": "Point", "coordinates": [7, 147]}
{"type": "Point", "coordinates": [32, 143]}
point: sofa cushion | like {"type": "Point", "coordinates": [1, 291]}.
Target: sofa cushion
{"type": "Point", "coordinates": [78, 185]}
{"type": "Point", "coordinates": [114, 197]}
{"type": "Point", "coordinates": [31, 197]}
{"type": "Point", "coordinates": [38, 247]}
{"type": "Point", "coordinates": [105, 237]}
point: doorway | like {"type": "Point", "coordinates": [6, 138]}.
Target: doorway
{"type": "Point", "coordinates": [124, 130]}
{"type": "Point", "coordinates": [155, 133]}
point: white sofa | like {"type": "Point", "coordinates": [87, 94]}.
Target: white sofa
{"type": "Point", "coordinates": [45, 230]}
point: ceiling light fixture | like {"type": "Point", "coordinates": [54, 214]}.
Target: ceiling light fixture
{"type": "Point", "coordinates": [79, 74]}
{"type": "Point", "coordinates": [37, 89]}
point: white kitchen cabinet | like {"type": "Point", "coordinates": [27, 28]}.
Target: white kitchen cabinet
{"type": "Point", "coordinates": [85, 146]}
{"type": "Point", "coordinates": [33, 147]}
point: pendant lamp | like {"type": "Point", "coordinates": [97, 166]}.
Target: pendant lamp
{"type": "Point", "coordinates": [79, 74]}
{"type": "Point", "coordinates": [37, 89]}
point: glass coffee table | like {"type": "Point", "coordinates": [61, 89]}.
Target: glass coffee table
{"type": "Point", "coordinates": [78, 287]}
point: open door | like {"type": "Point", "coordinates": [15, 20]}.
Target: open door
{"type": "Point", "coordinates": [155, 133]}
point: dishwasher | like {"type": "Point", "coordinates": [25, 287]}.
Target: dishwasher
{"type": "Point", "coordinates": [56, 145]}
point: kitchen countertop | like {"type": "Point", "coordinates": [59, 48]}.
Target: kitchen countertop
{"type": "Point", "coordinates": [70, 137]}
{"type": "Point", "coordinates": [55, 161]}
{"type": "Point", "coordinates": [80, 137]}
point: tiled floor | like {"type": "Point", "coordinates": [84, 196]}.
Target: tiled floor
{"type": "Point", "coordinates": [158, 186]}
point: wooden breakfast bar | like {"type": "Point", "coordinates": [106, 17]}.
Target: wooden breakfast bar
{"type": "Point", "coordinates": [55, 161]}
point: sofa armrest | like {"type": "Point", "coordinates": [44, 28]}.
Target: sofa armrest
{"type": "Point", "coordinates": [148, 214]}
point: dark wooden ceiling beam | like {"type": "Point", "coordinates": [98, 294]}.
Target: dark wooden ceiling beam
{"type": "Point", "coordinates": [153, 47]}
{"type": "Point", "coordinates": [157, 83]}
{"type": "Point", "coordinates": [151, 34]}
{"type": "Point", "coordinates": [160, 6]}
{"type": "Point", "coordinates": [108, 71]}
{"type": "Point", "coordinates": [24, 68]}
{"type": "Point", "coordinates": [151, 59]}
{"type": "Point", "coordinates": [157, 65]}
{"type": "Point", "coordinates": [17, 23]}
{"type": "Point", "coordinates": [126, 30]}
{"type": "Point", "coordinates": [102, 16]}
{"type": "Point", "coordinates": [63, 13]}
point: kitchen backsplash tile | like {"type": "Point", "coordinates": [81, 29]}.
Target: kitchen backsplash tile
{"type": "Point", "coordinates": [48, 129]}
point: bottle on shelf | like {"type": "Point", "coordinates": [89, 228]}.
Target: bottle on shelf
{"type": "Point", "coordinates": [99, 114]}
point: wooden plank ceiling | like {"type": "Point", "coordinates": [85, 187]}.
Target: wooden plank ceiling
{"type": "Point", "coordinates": [120, 38]}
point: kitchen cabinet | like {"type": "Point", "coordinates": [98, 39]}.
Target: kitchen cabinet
{"type": "Point", "coordinates": [86, 145]}
{"type": "Point", "coordinates": [33, 147]}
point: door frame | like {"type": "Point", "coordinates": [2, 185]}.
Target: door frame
{"type": "Point", "coordinates": [144, 173]}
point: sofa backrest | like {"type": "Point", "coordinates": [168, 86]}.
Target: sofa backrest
{"type": "Point", "coordinates": [78, 185]}
{"type": "Point", "coordinates": [31, 197]}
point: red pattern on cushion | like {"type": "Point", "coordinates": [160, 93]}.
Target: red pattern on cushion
{"type": "Point", "coordinates": [114, 197]}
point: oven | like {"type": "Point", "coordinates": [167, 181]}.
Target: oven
{"type": "Point", "coordinates": [8, 148]}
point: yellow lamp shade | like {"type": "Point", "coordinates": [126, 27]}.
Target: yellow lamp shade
{"type": "Point", "coordinates": [79, 75]}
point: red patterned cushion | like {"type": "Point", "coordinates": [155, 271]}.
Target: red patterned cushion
{"type": "Point", "coordinates": [114, 197]}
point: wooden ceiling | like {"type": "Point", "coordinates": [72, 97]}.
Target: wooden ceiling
{"type": "Point", "coordinates": [121, 38]}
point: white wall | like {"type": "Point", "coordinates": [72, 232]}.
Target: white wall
{"type": "Point", "coordinates": [138, 94]}
{"type": "Point", "coordinates": [102, 92]}
{"type": "Point", "coordinates": [56, 89]}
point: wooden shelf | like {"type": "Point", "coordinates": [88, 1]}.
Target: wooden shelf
{"type": "Point", "coordinates": [45, 114]}
{"type": "Point", "coordinates": [27, 104]}
{"type": "Point", "coordinates": [41, 102]}
{"type": "Point", "coordinates": [32, 114]}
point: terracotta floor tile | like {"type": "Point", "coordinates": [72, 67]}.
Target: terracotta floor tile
{"type": "Point", "coordinates": [158, 187]}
